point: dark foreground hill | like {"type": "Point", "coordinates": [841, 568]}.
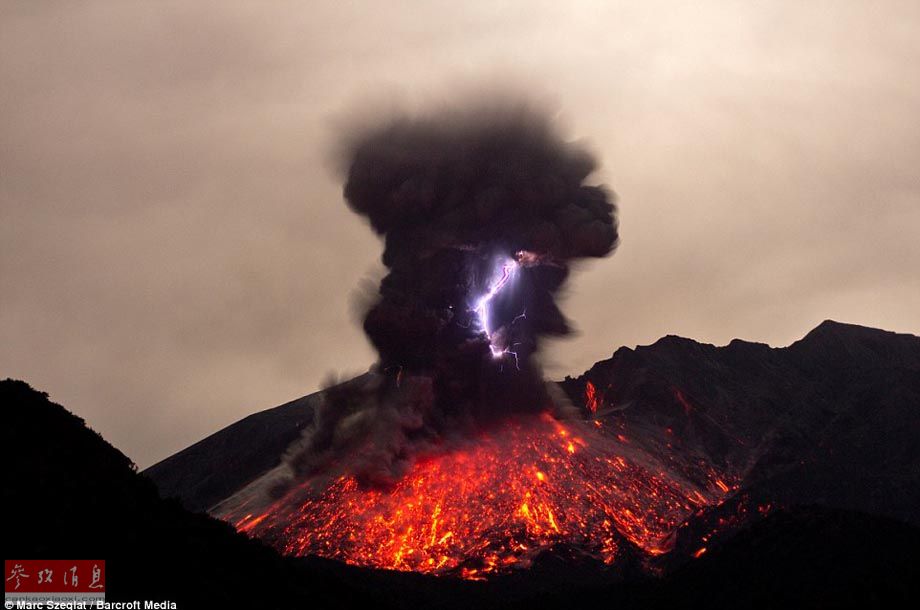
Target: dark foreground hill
{"type": "Point", "coordinates": [828, 428]}
{"type": "Point", "coordinates": [67, 494]}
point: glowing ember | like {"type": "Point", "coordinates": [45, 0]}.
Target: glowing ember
{"type": "Point", "coordinates": [592, 400]}
{"type": "Point", "coordinates": [493, 504]}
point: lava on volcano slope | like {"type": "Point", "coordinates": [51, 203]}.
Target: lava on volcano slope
{"type": "Point", "coordinates": [495, 503]}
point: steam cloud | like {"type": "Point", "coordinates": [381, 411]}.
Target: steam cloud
{"type": "Point", "coordinates": [461, 198]}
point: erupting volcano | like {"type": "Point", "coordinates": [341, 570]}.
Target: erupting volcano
{"type": "Point", "coordinates": [494, 503]}
{"type": "Point", "coordinates": [455, 457]}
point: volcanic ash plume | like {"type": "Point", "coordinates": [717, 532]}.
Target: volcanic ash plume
{"type": "Point", "coordinates": [481, 213]}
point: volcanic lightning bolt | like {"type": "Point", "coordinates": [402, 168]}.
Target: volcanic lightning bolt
{"type": "Point", "coordinates": [481, 307]}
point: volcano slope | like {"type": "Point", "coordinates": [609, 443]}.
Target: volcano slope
{"type": "Point", "coordinates": [832, 420]}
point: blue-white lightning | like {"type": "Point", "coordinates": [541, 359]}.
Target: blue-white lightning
{"type": "Point", "coordinates": [481, 306]}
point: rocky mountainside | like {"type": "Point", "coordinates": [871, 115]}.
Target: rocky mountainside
{"type": "Point", "coordinates": [832, 419]}
{"type": "Point", "coordinates": [215, 467]}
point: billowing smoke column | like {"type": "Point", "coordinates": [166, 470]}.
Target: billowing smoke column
{"type": "Point", "coordinates": [481, 213]}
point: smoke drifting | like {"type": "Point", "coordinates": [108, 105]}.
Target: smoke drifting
{"type": "Point", "coordinates": [481, 212]}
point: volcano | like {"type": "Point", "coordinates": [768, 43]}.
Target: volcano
{"type": "Point", "coordinates": [453, 456]}
{"type": "Point", "coordinates": [675, 448]}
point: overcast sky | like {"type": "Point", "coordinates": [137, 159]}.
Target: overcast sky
{"type": "Point", "coordinates": [174, 249]}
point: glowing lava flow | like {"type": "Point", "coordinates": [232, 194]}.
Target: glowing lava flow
{"type": "Point", "coordinates": [481, 307]}
{"type": "Point", "coordinates": [492, 505]}
{"type": "Point", "coordinates": [592, 400]}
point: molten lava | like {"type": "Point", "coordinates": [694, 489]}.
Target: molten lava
{"type": "Point", "coordinates": [592, 400]}
{"type": "Point", "coordinates": [493, 504]}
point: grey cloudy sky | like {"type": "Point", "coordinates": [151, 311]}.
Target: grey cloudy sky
{"type": "Point", "coordinates": [175, 253]}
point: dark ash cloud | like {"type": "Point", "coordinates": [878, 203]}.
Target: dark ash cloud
{"type": "Point", "coordinates": [481, 210]}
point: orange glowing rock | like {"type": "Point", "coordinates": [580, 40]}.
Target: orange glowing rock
{"type": "Point", "coordinates": [591, 397]}
{"type": "Point", "coordinates": [492, 504]}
